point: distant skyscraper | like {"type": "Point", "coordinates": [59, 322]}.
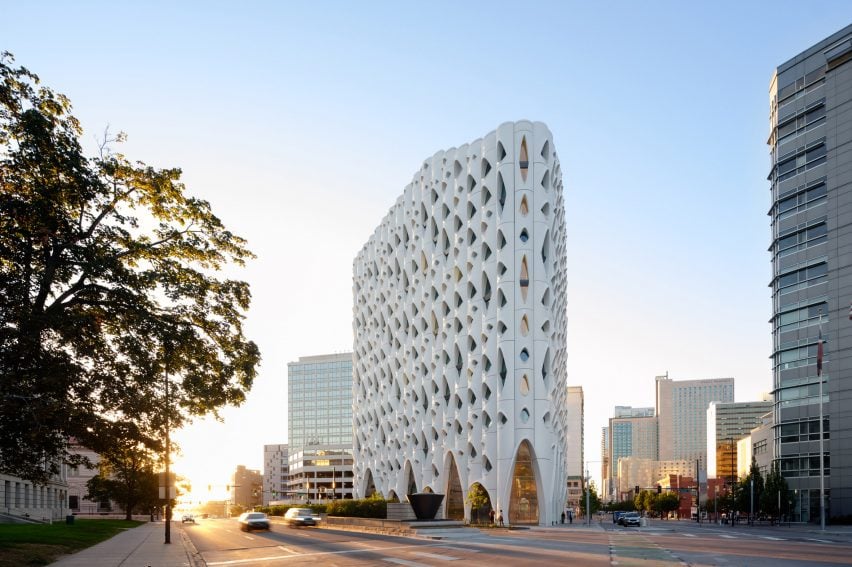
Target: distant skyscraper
{"type": "Point", "coordinates": [319, 418]}
{"type": "Point", "coordinates": [606, 486]}
{"type": "Point", "coordinates": [682, 414]}
{"type": "Point", "coordinates": [275, 473]}
{"type": "Point", "coordinates": [727, 423]}
{"type": "Point", "coordinates": [459, 322]}
{"type": "Point", "coordinates": [810, 135]}
{"type": "Point", "coordinates": [575, 431]}
{"type": "Point", "coordinates": [575, 446]}
{"type": "Point", "coordinates": [631, 437]}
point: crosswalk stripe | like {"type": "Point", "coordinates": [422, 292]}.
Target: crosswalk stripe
{"type": "Point", "coordinates": [728, 536]}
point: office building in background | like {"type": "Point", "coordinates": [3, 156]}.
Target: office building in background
{"type": "Point", "coordinates": [319, 428]}
{"type": "Point", "coordinates": [810, 144]}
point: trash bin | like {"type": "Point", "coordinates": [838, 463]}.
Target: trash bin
{"type": "Point", "coordinates": [69, 520]}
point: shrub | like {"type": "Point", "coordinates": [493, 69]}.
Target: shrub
{"type": "Point", "coordinates": [365, 508]}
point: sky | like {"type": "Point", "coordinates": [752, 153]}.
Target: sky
{"type": "Point", "coordinates": [301, 123]}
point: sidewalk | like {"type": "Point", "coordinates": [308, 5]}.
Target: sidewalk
{"type": "Point", "coordinates": [139, 547]}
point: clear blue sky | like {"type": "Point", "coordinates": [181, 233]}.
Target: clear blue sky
{"type": "Point", "coordinates": [302, 122]}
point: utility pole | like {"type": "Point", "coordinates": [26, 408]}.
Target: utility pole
{"type": "Point", "coordinates": [733, 483]}
{"type": "Point", "coordinates": [697, 491]}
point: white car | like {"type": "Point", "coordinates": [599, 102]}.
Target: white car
{"type": "Point", "coordinates": [300, 517]}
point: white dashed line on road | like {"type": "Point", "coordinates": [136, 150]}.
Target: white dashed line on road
{"type": "Point", "coordinates": [434, 556]}
{"type": "Point", "coordinates": [403, 562]}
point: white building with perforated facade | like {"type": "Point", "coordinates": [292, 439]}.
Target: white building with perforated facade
{"type": "Point", "coordinates": [459, 320]}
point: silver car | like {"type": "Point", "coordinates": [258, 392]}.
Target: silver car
{"type": "Point", "coordinates": [300, 517]}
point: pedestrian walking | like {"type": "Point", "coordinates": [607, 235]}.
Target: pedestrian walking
{"type": "Point", "coordinates": [562, 521]}
{"type": "Point", "coordinates": [491, 516]}
{"type": "Point", "coordinates": [500, 518]}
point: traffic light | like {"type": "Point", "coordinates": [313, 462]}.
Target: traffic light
{"type": "Point", "coordinates": [227, 487]}
{"type": "Point", "coordinates": [659, 489]}
{"type": "Point", "coordinates": [637, 489]}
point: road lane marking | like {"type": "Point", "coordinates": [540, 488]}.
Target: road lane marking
{"type": "Point", "coordinates": [726, 536]}
{"type": "Point", "coordinates": [403, 562]}
{"type": "Point", "coordinates": [287, 549]}
{"type": "Point", "coordinates": [248, 537]}
{"type": "Point", "coordinates": [452, 548]}
{"type": "Point", "coordinates": [819, 540]}
{"type": "Point", "coordinates": [434, 556]}
{"type": "Point", "coordinates": [773, 538]}
{"type": "Point", "coordinates": [300, 555]}
{"type": "Point", "coordinates": [690, 535]}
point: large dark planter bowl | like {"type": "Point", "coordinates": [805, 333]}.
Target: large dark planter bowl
{"type": "Point", "coordinates": [425, 504]}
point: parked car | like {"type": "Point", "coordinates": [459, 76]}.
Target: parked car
{"type": "Point", "coordinates": [300, 517]}
{"type": "Point", "coordinates": [630, 519]}
{"type": "Point", "coordinates": [253, 521]}
{"type": "Point", "coordinates": [187, 518]}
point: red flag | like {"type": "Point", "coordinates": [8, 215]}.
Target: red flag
{"type": "Point", "coordinates": [819, 353]}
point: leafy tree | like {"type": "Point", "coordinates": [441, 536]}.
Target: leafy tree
{"type": "Point", "coordinates": [744, 491]}
{"type": "Point", "coordinates": [127, 477]}
{"type": "Point", "coordinates": [477, 498]}
{"type": "Point", "coordinates": [594, 500]}
{"type": "Point", "coordinates": [107, 285]}
{"type": "Point", "coordinates": [775, 488]}
{"type": "Point", "coordinates": [666, 503]}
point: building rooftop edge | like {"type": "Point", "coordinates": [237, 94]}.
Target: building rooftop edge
{"type": "Point", "coordinates": [322, 358]}
{"type": "Point", "coordinates": [819, 46]}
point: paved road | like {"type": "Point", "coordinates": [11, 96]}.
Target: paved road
{"type": "Point", "coordinates": [221, 543]}
{"type": "Point", "coordinates": [709, 544]}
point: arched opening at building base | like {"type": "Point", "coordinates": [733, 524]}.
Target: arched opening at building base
{"type": "Point", "coordinates": [454, 503]}
{"type": "Point", "coordinates": [523, 498]}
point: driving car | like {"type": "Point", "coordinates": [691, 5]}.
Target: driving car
{"type": "Point", "coordinates": [300, 517]}
{"type": "Point", "coordinates": [253, 521]}
{"type": "Point", "coordinates": [630, 519]}
{"type": "Point", "coordinates": [187, 518]}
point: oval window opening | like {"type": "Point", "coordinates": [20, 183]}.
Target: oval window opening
{"type": "Point", "coordinates": [525, 385]}
{"type": "Point", "coordinates": [525, 415]}
{"type": "Point", "coordinates": [525, 355]}
{"type": "Point", "coordinates": [524, 235]}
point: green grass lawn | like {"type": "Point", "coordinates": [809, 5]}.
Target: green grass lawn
{"type": "Point", "coordinates": [42, 544]}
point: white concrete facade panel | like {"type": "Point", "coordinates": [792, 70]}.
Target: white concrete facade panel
{"type": "Point", "coordinates": [460, 328]}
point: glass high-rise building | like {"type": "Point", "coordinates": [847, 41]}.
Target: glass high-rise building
{"type": "Point", "coordinates": [319, 426]}
{"type": "Point", "coordinates": [810, 140]}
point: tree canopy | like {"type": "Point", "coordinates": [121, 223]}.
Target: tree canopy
{"type": "Point", "coordinates": [108, 283]}
{"type": "Point", "coordinates": [127, 477]}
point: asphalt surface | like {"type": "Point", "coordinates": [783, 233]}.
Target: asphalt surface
{"type": "Point", "coordinates": [221, 543]}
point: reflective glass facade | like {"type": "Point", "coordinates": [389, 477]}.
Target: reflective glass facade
{"type": "Point", "coordinates": [810, 130]}
{"type": "Point", "coordinates": [319, 420]}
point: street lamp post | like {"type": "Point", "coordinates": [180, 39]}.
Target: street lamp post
{"type": "Point", "coordinates": [821, 432]}
{"type": "Point", "coordinates": [168, 494]}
